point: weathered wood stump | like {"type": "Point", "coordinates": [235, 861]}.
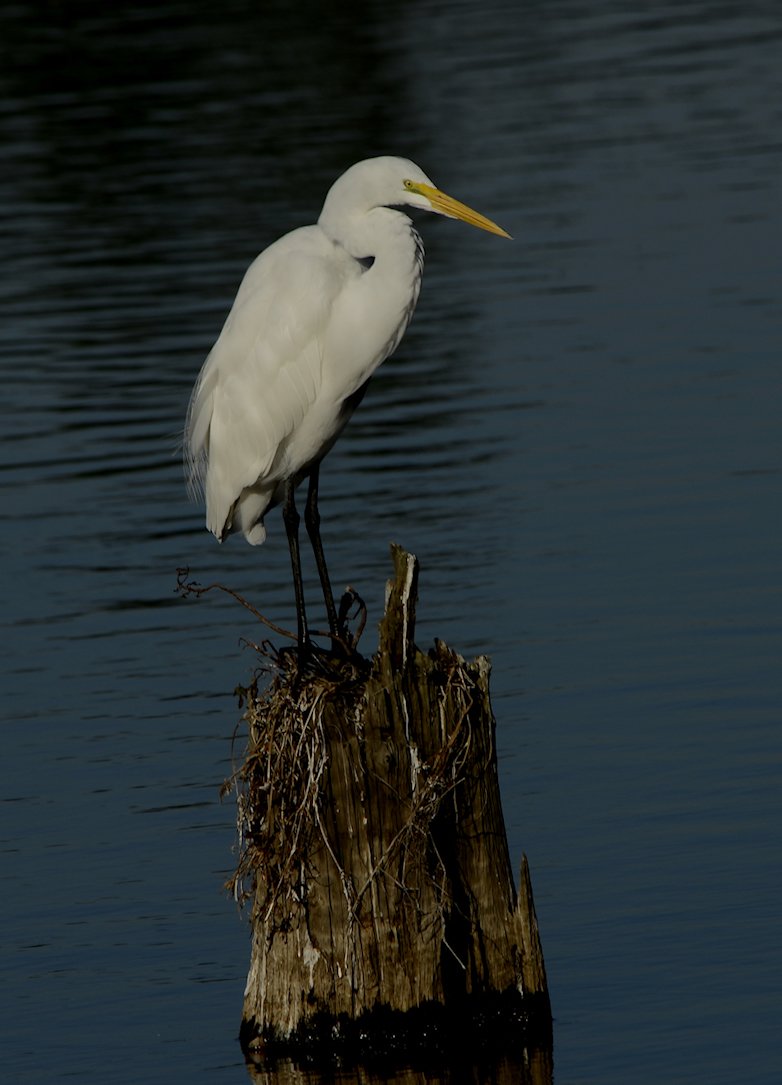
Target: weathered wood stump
{"type": "Point", "coordinates": [374, 851]}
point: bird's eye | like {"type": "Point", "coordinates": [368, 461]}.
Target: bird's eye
{"type": "Point", "coordinates": [407, 184]}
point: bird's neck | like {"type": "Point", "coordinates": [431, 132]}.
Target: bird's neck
{"type": "Point", "coordinates": [384, 236]}
{"type": "Point", "coordinates": [378, 307]}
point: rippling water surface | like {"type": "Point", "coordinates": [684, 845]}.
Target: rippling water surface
{"type": "Point", "coordinates": [579, 438]}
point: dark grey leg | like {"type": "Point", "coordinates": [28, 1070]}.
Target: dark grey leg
{"type": "Point", "coordinates": [312, 523]}
{"type": "Point", "coordinates": [290, 518]}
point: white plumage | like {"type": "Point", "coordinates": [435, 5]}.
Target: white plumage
{"type": "Point", "coordinates": [316, 313]}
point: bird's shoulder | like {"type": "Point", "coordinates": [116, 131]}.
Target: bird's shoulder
{"type": "Point", "coordinates": [302, 267]}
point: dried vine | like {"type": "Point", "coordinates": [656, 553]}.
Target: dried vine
{"type": "Point", "coordinates": [279, 792]}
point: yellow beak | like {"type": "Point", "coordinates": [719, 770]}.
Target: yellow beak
{"type": "Point", "coordinates": [447, 205]}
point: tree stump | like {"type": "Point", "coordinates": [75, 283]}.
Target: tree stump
{"type": "Point", "coordinates": [373, 849]}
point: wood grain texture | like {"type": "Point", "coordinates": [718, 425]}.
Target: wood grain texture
{"type": "Point", "coordinates": [375, 847]}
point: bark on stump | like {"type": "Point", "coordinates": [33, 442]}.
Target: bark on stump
{"type": "Point", "coordinates": [375, 855]}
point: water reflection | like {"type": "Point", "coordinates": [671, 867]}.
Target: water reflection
{"type": "Point", "coordinates": [533, 1067]}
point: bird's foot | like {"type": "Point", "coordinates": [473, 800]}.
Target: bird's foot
{"type": "Point", "coordinates": [307, 660]}
{"type": "Point", "coordinates": [308, 663]}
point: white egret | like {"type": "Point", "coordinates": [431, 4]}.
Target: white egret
{"type": "Point", "coordinates": [315, 315]}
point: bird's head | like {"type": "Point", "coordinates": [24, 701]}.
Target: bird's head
{"type": "Point", "coordinates": [423, 194]}
{"type": "Point", "coordinates": [397, 182]}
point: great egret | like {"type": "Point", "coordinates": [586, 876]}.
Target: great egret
{"type": "Point", "coordinates": [315, 315]}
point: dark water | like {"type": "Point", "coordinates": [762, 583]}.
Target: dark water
{"type": "Point", "coordinates": [579, 438]}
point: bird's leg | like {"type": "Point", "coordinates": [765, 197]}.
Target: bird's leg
{"type": "Point", "coordinates": [312, 523]}
{"type": "Point", "coordinates": [290, 518]}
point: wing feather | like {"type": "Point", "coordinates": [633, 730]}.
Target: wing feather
{"type": "Point", "coordinates": [263, 373]}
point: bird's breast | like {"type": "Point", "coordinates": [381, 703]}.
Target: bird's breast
{"type": "Point", "coordinates": [370, 316]}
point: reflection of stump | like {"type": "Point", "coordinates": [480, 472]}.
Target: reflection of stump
{"type": "Point", "coordinates": [375, 849]}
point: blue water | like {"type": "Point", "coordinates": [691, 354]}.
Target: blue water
{"type": "Point", "coordinates": [579, 438]}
